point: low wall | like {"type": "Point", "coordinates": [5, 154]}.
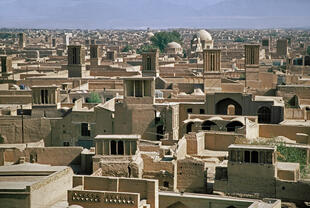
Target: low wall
{"type": "Point", "coordinates": [274, 130]}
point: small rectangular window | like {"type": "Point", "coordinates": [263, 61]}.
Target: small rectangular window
{"type": "Point", "coordinates": [189, 110]}
{"type": "Point", "coordinates": [202, 111]}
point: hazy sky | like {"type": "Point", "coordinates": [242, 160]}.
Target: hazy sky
{"type": "Point", "coordinates": [107, 14]}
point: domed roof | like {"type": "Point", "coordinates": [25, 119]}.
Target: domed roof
{"type": "Point", "coordinates": [174, 45]}
{"type": "Point", "coordinates": [204, 35]}
{"type": "Point", "coordinates": [149, 34]}
{"type": "Point", "coordinates": [75, 206]}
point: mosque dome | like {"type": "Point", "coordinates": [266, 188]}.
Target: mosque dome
{"type": "Point", "coordinates": [174, 45]}
{"type": "Point", "coordinates": [149, 34]}
{"type": "Point", "coordinates": [204, 35]}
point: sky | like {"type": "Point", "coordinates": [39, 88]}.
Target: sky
{"type": "Point", "coordinates": [157, 14]}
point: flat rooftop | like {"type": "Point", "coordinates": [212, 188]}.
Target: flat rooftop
{"type": "Point", "coordinates": [18, 177]}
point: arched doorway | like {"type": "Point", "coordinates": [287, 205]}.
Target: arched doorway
{"type": "Point", "coordinates": [264, 115]}
{"type": "Point", "coordinates": [207, 125]}
{"type": "Point", "coordinates": [189, 127]}
{"type": "Point", "coordinates": [232, 126]}
{"type": "Point", "coordinates": [222, 105]}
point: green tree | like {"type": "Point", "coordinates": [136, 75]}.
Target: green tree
{"type": "Point", "coordinates": [127, 48]}
{"type": "Point", "coordinates": [161, 39]}
{"type": "Point", "coordinates": [308, 50]}
{"type": "Point", "coordinates": [145, 48]}
{"type": "Point", "coordinates": [94, 98]}
{"type": "Point", "coordinates": [239, 40]}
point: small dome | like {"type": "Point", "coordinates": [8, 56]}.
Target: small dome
{"type": "Point", "coordinates": [75, 206]}
{"type": "Point", "coordinates": [149, 34]}
{"type": "Point", "coordinates": [174, 45]}
{"type": "Point", "coordinates": [204, 35]}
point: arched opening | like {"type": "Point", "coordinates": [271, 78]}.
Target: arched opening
{"type": "Point", "coordinates": [189, 127]}
{"type": "Point", "coordinates": [160, 132]}
{"type": "Point", "coordinates": [207, 125]}
{"type": "Point", "coordinates": [264, 115]}
{"type": "Point", "coordinates": [221, 107]}
{"type": "Point", "coordinates": [178, 205]}
{"type": "Point", "coordinates": [113, 147]}
{"type": "Point", "coordinates": [87, 100]}
{"type": "Point", "coordinates": [231, 109]}
{"type": "Point", "coordinates": [120, 146]}
{"type": "Point", "coordinates": [73, 100]}
{"type": "Point", "coordinates": [254, 157]}
{"type": "Point", "coordinates": [33, 157]}
{"type": "Point", "coordinates": [232, 126]}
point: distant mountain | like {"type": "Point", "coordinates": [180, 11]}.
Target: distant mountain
{"type": "Point", "coordinates": [154, 13]}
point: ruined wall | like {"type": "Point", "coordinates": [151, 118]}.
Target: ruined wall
{"type": "Point", "coordinates": [191, 176]}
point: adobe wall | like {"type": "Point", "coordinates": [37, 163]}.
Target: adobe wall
{"type": "Point", "coordinates": [57, 156]}
{"type": "Point", "coordinates": [51, 189]}
{"type": "Point", "coordinates": [250, 178]}
{"type": "Point", "coordinates": [200, 201]}
{"type": "Point", "coordinates": [232, 87]}
{"type": "Point", "coordinates": [191, 176]}
{"type": "Point", "coordinates": [100, 183]}
{"type": "Point", "coordinates": [13, 200]}
{"type": "Point", "coordinates": [35, 129]}
{"type": "Point", "coordinates": [219, 141]}
{"type": "Point", "coordinates": [297, 192]}
{"type": "Point", "coordinates": [294, 113]}
{"type": "Point", "coordinates": [148, 189]}
{"type": "Point", "coordinates": [273, 130]}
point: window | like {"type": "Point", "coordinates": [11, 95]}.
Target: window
{"type": "Point", "coordinates": [44, 96]}
{"type": "Point", "coordinates": [189, 110]}
{"type": "Point", "coordinates": [66, 144]}
{"type": "Point", "coordinates": [148, 63]}
{"type": "Point", "coordinates": [202, 111]}
{"type": "Point", "coordinates": [85, 129]}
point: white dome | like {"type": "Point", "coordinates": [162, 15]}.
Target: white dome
{"type": "Point", "coordinates": [75, 206]}
{"type": "Point", "coordinates": [174, 45]}
{"type": "Point", "coordinates": [204, 35]}
{"type": "Point", "coordinates": [149, 34]}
